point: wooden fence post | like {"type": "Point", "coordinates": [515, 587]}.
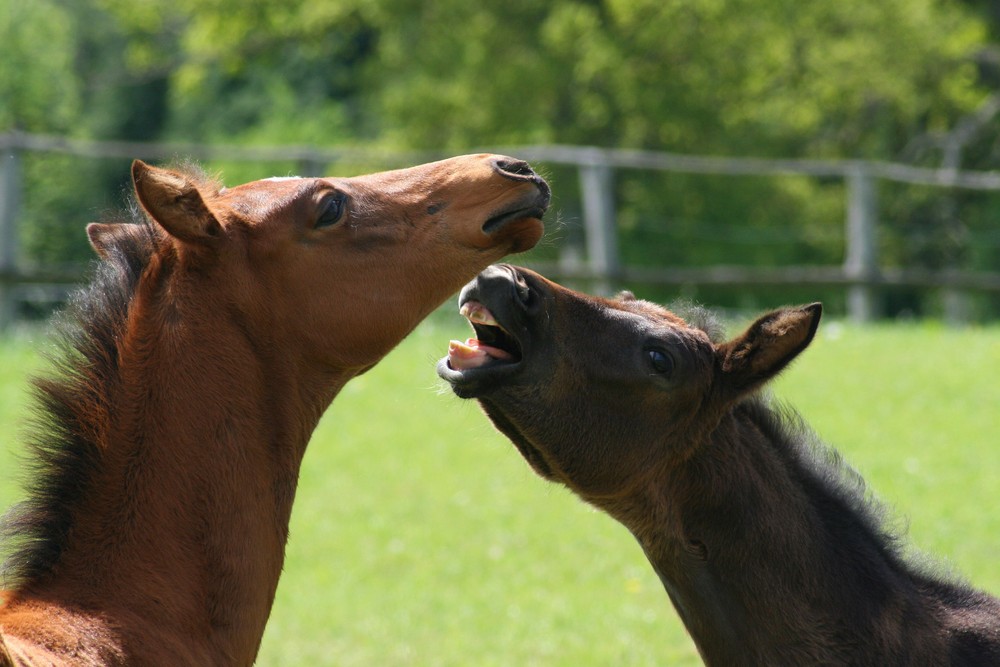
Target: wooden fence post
{"type": "Point", "coordinates": [311, 168]}
{"type": "Point", "coordinates": [597, 192]}
{"type": "Point", "coordinates": [860, 256]}
{"type": "Point", "coordinates": [10, 191]}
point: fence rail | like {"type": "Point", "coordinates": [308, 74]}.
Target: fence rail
{"type": "Point", "coordinates": [860, 273]}
{"type": "Point", "coordinates": [824, 276]}
{"type": "Point", "coordinates": [619, 158]}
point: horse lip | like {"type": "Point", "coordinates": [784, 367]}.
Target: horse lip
{"type": "Point", "coordinates": [533, 206]}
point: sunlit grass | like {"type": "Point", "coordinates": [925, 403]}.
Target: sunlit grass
{"type": "Point", "coordinates": [18, 357]}
{"type": "Point", "coordinates": [420, 537]}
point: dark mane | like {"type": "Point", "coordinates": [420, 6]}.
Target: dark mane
{"type": "Point", "coordinates": [700, 317]}
{"type": "Point", "coordinates": [830, 481]}
{"type": "Point", "coordinates": [851, 511]}
{"type": "Point", "coordinates": [71, 402]}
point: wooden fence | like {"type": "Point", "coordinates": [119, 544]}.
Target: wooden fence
{"type": "Point", "coordinates": [860, 273]}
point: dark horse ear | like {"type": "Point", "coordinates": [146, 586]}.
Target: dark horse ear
{"type": "Point", "coordinates": [175, 202]}
{"type": "Point", "coordinates": [765, 348]}
{"type": "Point", "coordinates": [103, 237]}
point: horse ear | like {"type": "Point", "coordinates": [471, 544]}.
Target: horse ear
{"type": "Point", "coordinates": [625, 295]}
{"type": "Point", "coordinates": [175, 203]}
{"type": "Point", "coordinates": [766, 347]}
{"type": "Point", "coordinates": [102, 237]}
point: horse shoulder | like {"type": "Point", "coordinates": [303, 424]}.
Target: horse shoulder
{"type": "Point", "coordinates": [972, 620]}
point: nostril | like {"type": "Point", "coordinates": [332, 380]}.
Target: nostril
{"type": "Point", "coordinates": [522, 290]}
{"type": "Point", "coordinates": [516, 169]}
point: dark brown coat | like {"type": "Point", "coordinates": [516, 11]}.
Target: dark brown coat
{"type": "Point", "coordinates": [764, 541]}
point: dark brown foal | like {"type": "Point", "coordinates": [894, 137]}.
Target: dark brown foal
{"type": "Point", "coordinates": [765, 543]}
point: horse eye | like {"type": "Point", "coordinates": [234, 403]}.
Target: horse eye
{"type": "Point", "coordinates": [331, 211]}
{"type": "Point", "coordinates": [661, 362]}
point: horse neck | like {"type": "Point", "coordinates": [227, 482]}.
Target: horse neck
{"type": "Point", "coordinates": [765, 563]}
{"type": "Point", "coordinates": [189, 515]}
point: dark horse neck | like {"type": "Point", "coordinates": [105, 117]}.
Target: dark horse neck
{"type": "Point", "coordinates": [223, 427]}
{"type": "Point", "coordinates": [775, 558]}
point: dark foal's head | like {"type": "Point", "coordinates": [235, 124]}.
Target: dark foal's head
{"type": "Point", "coordinates": [600, 393]}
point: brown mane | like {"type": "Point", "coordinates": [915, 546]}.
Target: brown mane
{"type": "Point", "coordinates": [71, 404]}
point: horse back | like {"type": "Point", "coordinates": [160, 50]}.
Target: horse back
{"type": "Point", "coordinates": [971, 620]}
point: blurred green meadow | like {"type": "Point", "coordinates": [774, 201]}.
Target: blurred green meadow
{"type": "Point", "coordinates": [420, 537]}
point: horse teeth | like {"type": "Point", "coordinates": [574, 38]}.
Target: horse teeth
{"type": "Point", "coordinates": [463, 356]}
{"type": "Point", "coordinates": [478, 313]}
{"type": "Point", "coordinates": [473, 353]}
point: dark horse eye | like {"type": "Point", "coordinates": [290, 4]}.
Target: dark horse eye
{"type": "Point", "coordinates": [331, 210]}
{"type": "Point", "coordinates": [661, 362]}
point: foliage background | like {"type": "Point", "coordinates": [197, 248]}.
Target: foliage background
{"type": "Point", "coordinates": [897, 80]}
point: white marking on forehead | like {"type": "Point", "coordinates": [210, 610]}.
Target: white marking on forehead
{"type": "Point", "coordinates": [284, 178]}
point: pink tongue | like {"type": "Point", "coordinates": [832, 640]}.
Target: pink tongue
{"type": "Point", "coordinates": [473, 353]}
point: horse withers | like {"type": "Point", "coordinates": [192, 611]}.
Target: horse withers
{"type": "Point", "coordinates": [191, 374]}
{"type": "Point", "coordinates": [767, 546]}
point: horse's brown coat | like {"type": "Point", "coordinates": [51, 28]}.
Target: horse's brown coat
{"type": "Point", "coordinates": [766, 544]}
{"type": "Point", "coordinates": [196, 367]}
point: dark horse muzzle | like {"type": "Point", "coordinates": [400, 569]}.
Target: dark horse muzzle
{"type": "Point", "coordinates": [501, 304]}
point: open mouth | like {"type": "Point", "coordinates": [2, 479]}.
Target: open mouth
{"type": "Point", "coordinates": [496, 304]}
{"type": "Point", "coordinates": [493, 346]}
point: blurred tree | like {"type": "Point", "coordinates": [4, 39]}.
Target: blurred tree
{"type": "Point", "coordinates": [38, 89]}
{"type": "Point", "coordinates": [785, 79]}
{"type": "Point", "coordinates": [264, 72]}
{"type": "Point", "coordinates": [851, 79]}
{"type": "Point", "coordinates": [41, 92]}
{"type": "Point", "coordinates": [737, 77]}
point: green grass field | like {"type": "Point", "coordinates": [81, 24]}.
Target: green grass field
{"type": "Point", "coordinates": [420, 537]}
